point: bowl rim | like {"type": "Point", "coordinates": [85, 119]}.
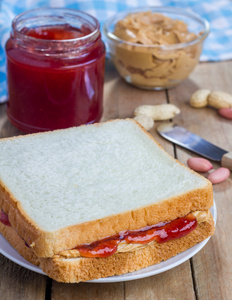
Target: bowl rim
{"type": "Point", "coordinates": [159, 9]}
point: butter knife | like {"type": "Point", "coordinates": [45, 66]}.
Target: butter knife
{"type": "Point", "coordinates": [184, 138]}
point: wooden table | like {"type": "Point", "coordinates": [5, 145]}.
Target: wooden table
{"type": "Point", "coordinates": [208, 275]}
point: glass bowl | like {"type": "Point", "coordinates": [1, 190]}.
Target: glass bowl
{"type": "Point", "coordinates": [157, 67]}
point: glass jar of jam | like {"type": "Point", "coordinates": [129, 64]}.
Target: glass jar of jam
{"type": "Point", "coordinates": [55, 70]}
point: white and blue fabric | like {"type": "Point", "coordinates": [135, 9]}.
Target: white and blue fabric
{"type": "Point", "coordinates": [217, 47]}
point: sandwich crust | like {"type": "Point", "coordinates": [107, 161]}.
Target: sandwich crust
{"type": "Point", "coordinates": [19, 244]}
{"type": "Point", "coordinates": [83, 269]}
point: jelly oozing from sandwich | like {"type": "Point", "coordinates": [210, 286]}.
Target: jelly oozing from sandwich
{"type": "Point", "coordinates": [102, 248]}
{"type": "Point", "coordinates": [4, 218]}
{"type": "Point", "coordinates": [160, 233]}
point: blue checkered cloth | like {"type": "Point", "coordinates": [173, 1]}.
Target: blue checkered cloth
{"type": "Point", "coordinates": [217, 47]}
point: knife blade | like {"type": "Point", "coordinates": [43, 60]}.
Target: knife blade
{"type": "Point", "coordinates": [188, 140]}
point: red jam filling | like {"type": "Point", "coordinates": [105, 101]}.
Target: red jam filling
{"type": "Point", "coordinates": [160, 233]}
{"type": "Point", "coordinates": [58, 32]}
{"type": "Point", "coordinates": [4, 218]}
{"type": "Point", "coordinates": [102, 248]}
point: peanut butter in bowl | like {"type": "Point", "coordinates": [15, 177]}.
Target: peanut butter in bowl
{"type": "Point", "coordinates": [155, 49]}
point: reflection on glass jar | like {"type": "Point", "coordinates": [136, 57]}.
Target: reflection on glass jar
{"type": "Point", "coordinates": [55, 64]}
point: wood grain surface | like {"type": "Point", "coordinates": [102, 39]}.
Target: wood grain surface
{"type": "Point", "coordinates": [208, 275]}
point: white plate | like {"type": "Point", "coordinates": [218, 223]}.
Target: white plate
{"type": "Point", "coordinates": [12, 254]}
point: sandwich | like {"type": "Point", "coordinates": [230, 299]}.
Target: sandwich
{"type": "Point", "coordinates": [99, 200]}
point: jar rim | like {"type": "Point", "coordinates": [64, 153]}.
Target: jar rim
{"type": "Point", "coordinates": [158, 9]}
{"type": "Point", "coordinates": [91, 36]}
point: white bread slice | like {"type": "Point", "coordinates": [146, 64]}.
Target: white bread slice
{"type": "Point", "coordinates": [68, 187]}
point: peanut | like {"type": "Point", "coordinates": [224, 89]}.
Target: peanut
{"type": "Point", "coordinates": [199, 98]}
{"type": "Point", "coordinates": [216, 99]}
{"type": "Point", "coordinates": [158, 112]}
{"type": "Point", "coordinates": [219, 99]}
{"type": "Point", "coordinates": [226, 113]}
{"type": "Point", "coordinates": [219, 175]}
{"type": "Point", "coordinates": [146, 121]}
{"type": "Point", "coordinates": [199, 164]}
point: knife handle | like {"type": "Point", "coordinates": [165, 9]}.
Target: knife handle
{"type": "Point", "coordinates": [227, 160]}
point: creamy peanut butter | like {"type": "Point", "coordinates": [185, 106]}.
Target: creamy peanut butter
{"type": "Point", "coordinates": [150, 64]}
{"type": "Point", "coordinates": [201, 216]}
